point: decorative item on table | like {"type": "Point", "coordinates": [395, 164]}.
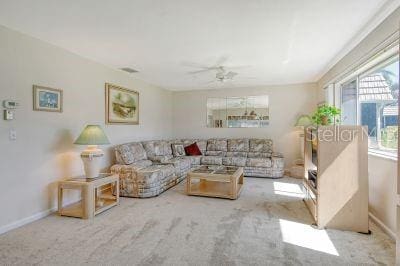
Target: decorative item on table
{"type": "Point", "coordinates": [122, 105]}
{"type": "Point", "coordinates": [92, 136]}
{"type": "Point", "coordinates": [326, 115]}
{"type": "Point", "coordinates": [47, 99]}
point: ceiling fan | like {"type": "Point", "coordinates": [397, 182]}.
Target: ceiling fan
{"type": "Point", "coordinates": [221, 75]}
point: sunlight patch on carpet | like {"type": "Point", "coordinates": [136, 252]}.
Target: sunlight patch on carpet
{"type": "Point", "coordinates": [287, 189]}
{"type": "Point", "coordinates": [304, 235]}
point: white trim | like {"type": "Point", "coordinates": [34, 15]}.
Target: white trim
{"type": "Point", "coordinates": [382, 155]}
{"type": "Point", "coordinates": [384, 11]}
{"type": "Point", "coordinates": [26, 220]}
{"type": "Point", "coordinates": [30, 219]}
{"type": "Point", "coordinates": [380, 224]}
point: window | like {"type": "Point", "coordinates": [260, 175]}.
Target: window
{"type": "Point", "coordinates": [370, 98]}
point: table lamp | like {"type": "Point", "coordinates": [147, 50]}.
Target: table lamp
{"type": "Point", "coordinates": [302, 122]}
{"type": "Point", "coordinates": [92, 135]}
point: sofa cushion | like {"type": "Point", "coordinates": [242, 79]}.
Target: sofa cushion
{"type": "Point", "coordinates": [263, 172]}
{"type": "Point", "coordinates": [259, 162]}
{"type": "Point", "coordinates": [217, 145]}
{"type": "Point", "coordinates": [178, 149]}
{"type": "Point", "coordinates": [192, 150]}
{"type": "Point", "coordinates": [122, 168]}
{"type": "Point", "coordinates": [202, 144]}
{"type": "Point", "coordinates": [234, 161]}
{"type": "Point", "coordinates": [157, 147]}
{"type": "Point", "coordinates": [211, 160]}
{"type": "Point", "coordinates": [235, 145]}
{"type": "Point", "coordinates": [155, 173]}
{"type": "Point", "coordinates": [160, 158]}
{"type": "Point", "coordinates": [194, 160]}
{"type": "Point", "coordinates": [216, 153]}
{"type": "Point", "coordinates": [259, 155]}
{"type": "Point", "coordinates": [236, 154]}
{"type": "Point", "coordinates": [260, 145]}
{"type": "Point", "coordinates": [130, 153]}
{"type": "Point", "coordinates": [181, 164]}
{"type": "Point", "coordinates": [141, 164]}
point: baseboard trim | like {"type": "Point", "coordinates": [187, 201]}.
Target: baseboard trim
{"type": "Point", "coordinates": [382, 226]}
{"type": "Point", "coordinates": [26, 220]}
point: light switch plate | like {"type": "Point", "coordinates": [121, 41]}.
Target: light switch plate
{"type": "Point", "coordinates": [13, 134]}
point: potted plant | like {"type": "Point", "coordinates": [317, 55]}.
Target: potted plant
{"type": "Point", "coordinates": [326, 115]}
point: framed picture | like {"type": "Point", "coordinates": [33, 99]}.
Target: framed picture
{"type": "Point", "coordinates": [122, 105]}
{"type": "Point", "coordinates": [47, 99]}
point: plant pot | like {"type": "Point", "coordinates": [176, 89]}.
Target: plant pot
{"type": "Point", "coordinates": [325, 120]}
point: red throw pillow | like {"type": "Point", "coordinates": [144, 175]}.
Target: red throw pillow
{"type": "Point", "coordinates": [192, 150]}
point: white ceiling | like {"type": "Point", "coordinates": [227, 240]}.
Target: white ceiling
{"type": "Point", "coordinates": [280, 42]}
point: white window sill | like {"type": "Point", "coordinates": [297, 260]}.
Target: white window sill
{"type": "Point", "coordinates": [382, 154]}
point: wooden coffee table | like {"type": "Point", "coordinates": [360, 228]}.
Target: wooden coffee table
{"type": "Point", "coordinates": [215, 181]}
{"type": "Point", "coordinates": [98, 195]}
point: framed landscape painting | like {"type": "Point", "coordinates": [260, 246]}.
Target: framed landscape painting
{"type": "Point", "coordinates": [122, 105]}
{"type": "Point", "coordinates": [47, 99]}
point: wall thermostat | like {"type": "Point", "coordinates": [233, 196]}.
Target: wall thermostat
{"type": "Point", "coordinates": [10, 104]}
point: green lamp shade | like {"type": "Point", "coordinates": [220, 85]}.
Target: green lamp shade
{"type": "Point", "coordinates": [303, 121]}
{"type": "Point", "coordinates": [92, 135]}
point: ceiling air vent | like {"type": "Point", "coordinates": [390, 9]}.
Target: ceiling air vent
{"type": "Point", "coordinates": [129, 70]}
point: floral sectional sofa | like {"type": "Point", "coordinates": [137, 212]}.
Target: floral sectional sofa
{"type": "Point", "coordinates": [148, 168]}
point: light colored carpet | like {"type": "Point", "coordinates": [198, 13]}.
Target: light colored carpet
{"type": "Point", "coordinates": [268, 225]}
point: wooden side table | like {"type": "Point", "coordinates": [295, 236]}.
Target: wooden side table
{"type": "Point", "coordinates": [97, 195]}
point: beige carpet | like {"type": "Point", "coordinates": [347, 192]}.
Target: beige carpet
{"type": "Point", "coordinates": [268, 225]}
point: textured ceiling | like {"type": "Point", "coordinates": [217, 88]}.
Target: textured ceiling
{"type": "Point", "coordinates": [274, 42]}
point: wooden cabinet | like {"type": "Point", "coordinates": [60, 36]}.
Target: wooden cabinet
{"type": "Point", "coordinates": [339, 197]}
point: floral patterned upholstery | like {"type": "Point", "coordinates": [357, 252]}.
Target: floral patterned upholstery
{"type": "Point", "coordinates": [217, 145]}
{"type": "Point", "coordinates": [148, 168]}
{"type": "Point", "coordinates": [216, 153]}
{"type": "Point", "coordinates": [234, 161]}
{"type": "Point", "coordinates": [211, 160]}
{"type": "Point", "coordinates": [238, 145]}
{"type": "Point", "coordinates": [236, 154]}
{"type": "Point", "coordinates": [160, 158]}
{"type": "Point", "coordinates": [259, 154]}
{"type": "Point", "coordinates": [194, 160]}
{"type": "Point", "coordinates": [259, 162]}
{"type": "Point", "coordinates": [260, 145]}
{"type": "Point", "coordinates": [130, 153]}
{"type": "Point", "coordinates": [146, 182]}
{"type": "Point", "coordinates": [157, 147]}
{"type": "Point", "coordinates": [182, 165]}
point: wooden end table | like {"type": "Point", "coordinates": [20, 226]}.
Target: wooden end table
{"type": "Point", "coordinates": [215, 181]}
{"type": "Point", "coordinates": [97, 195]}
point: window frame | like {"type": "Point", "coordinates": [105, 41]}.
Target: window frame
{"type": "Point", "coordinates": [391, 56]}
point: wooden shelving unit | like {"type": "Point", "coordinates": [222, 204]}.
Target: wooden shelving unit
{"type": "Point", "coordinates": [339, 199]}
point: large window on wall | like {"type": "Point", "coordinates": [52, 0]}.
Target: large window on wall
{"type": "Point", "coordinates": [370, 98]}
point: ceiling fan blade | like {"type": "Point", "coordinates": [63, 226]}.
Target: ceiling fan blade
{"type": "Point", "coordinates": [230, 75]}
{"type": "Point", "coordinates": [220, 61]}
{"type": "Point", "coordinates": [193, 65]}
{"type": "Point", "coordinates": [237, 67]}
{"type": "Point", "coordinates": [199, 71]}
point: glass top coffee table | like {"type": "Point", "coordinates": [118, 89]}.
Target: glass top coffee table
{"type": "Point", "coordinates": [215, 181]}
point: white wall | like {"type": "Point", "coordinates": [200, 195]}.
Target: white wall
{"type": "Point", "coordinates": [286, 104]}
{"type": "Point", "coordinates": [43, 152]}
{"type": "Point", "coordinates": [382, 172]}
